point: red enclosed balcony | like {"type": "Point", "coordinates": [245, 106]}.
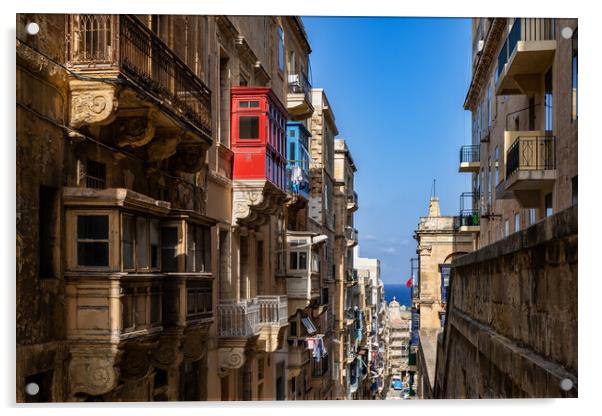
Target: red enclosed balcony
{"type": "Point", "coordinates": [258, 137]}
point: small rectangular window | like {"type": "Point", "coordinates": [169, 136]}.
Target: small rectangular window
{"type": "Point", "coordinates": [516, 222]}
{"type": "Point", "coordinates": [280, 49]}
{"type": "Point", "coordinates": [548, 204]}
{"type": "Point", "coordinates": [169, 245]}
{"type": "Point", "coordinates": [96, 174]}
{"type": "Point", "coordinates": [532, 216]}
{"type": "Point", "coordinates": [93, 240]}
{"type": "Point", "coordinates": [249, 104]}
{"type": "Point", "coordinates": [249, 127]}
{"type": "Point", "coordinates": [574, 190]}
{"type": "Point", "coordinates": [506, 228]}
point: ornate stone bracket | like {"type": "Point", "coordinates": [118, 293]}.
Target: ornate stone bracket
{"type": "Point", "coordinates": [94, 375]}
{"type": "Point", "coordinates": [165, 145]}
{"type": "Point", "coordinates": [135, 130]}
{"type": "Point", "coordinates": [254, 201]}
{"type": "Point", "coordinates": [92, 102]}
{"type": "Point", "coordinates": [189, 157]}
{"type": "Point", "coordinates": [231, 358]}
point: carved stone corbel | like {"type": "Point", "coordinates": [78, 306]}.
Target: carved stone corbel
{"type": "Point", "coordinates": [189, 157]}
{"type": "Point", "coordinates": [164, 146]}
{"type": "Point", "coordinates": [231, 358]}
{"type": "Point", "coordinates": [94, 375]}
{"type": "Point", "coordinates": [135, 130]}
{"type": "Point", "coordinates": [92, 102]}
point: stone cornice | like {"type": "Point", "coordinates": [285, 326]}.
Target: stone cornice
{"type": "Point", "coordinates": [484, 63]}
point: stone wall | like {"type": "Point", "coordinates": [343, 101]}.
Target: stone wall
{"type": "Point", "coordinates": [511, 329]}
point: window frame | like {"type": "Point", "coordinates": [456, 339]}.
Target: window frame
{"type": "Point", "coordinates": [113, 239]}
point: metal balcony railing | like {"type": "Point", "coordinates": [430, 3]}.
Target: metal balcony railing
{"type": "Point", "coordinates": [525, 29]}
{"type": "Point", "coordinates": [531, 153]}
{"type": "Point", "coordinates": [110, 43]}
{"type": "Point", "coordinates": [273, 310]}
{"type": "Point", "coordinates": [470, 153]}
{"type": "Point", "coordinates": [140, 305]}
{"type": "Point", "coordinates": [467, 218]}
{"type": "Point", "coordinates": [299, 84]}
{"type": "Point", "coordinates": [238, 319]}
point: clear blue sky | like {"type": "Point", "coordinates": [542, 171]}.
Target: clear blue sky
{"type": "Point", "coordinates": [396, 86]}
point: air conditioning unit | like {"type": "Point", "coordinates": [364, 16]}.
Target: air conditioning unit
{"type": "Point", "coordinates": [480, 46]}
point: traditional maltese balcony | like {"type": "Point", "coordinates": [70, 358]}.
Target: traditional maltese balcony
{"type": "Point", "coordinates": [298, 100]}
{"type": "Point", "coordinates": [135, 91]}
{"type": "Point", "coordinates": [273, 320]}
{"type": "Point", "coordinates": [258, 135]}
{"type": "Point", "coordinates": [302, 269]}
{"type": "Point", "coordinates": [530, 161]}
{"type": "Point", "coordinates": [527, 52]}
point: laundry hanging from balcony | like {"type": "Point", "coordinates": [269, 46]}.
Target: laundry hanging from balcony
{"type": "Point", "coordinates": [316, 344]}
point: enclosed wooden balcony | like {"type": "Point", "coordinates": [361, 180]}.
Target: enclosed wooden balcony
{"type": "Point", "coordinates": [527, 52]}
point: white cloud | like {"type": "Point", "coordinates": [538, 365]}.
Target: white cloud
{"type": "Point", "coordinates": [369, 237]}
{"type": "Point", "coordinates": [389, 250]}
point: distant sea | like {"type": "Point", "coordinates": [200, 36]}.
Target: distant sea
{"type": "Point", "coordinates": [402, 293]}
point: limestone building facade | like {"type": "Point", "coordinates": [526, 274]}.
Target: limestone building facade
{"type": "Point", "coordinates": [439, 242]}
{"type": "Point", "coordinates": [160, 231]}
{"type": "Point", "coordinates": [523, 98]}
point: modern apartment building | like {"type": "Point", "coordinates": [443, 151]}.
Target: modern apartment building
{"type": "Point", "coordinates": [175, 211]}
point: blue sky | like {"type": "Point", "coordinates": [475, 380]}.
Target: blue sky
{"type": "Point", "coordinates": [396, 86]}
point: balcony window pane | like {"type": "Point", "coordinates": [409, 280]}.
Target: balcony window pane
{"type": "Point", "coordinates": [154, 243]}
{"type": "Point", "coordinates": [249, 127]}
{"type": "Point", "coordinates": [169, 242]}
{"type": "Point", "coordinates": [93, 240]}
{"type": "Point", "coordinates": [293, 260]}
{"type": "Point", "coordinates": [548, 203]}
{"type": "Point", "coordinates": [142, 243]}
{"type": "Point", "coordinates": [192, 249]}
{"type": "Point", "coordinates": [303, 260]}
{"type": "Point", "coordinates": [516, 222]}
{"type": "Point", "coordinates": [128, 241]}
